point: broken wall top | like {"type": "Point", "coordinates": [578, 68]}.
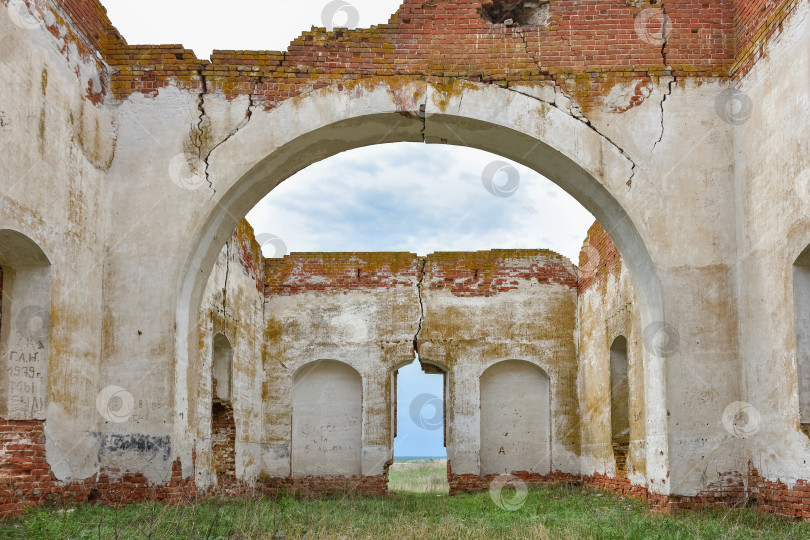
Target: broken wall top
{"type": "Point", "coordinates": [585, 47]}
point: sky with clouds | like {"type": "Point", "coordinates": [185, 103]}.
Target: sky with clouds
{"type": "Point", "coordinates": [397, 197]}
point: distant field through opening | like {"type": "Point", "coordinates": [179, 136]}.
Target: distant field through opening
{"type": "Point", "coordinates": [420, 458]}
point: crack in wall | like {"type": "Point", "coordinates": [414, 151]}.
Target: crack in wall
{"type": "Point", "coordinates": [199, 130]}
{"type": "Point", "coordinates": [204, 116]}
{"type": "Point", "coordinates": [420, 274]}
{"type": "Point", "coordinates": [664, 60]}
{"type": "Point", "coordinates": [582, 118]}
{"type": "Point", "coordinates": [672, 81]}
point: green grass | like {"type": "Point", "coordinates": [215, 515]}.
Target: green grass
{"type": "Point", "coordinates": [548, 512]}
{"type": "Point", "coordinates": [419, 476]}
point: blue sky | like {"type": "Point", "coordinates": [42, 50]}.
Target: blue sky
{"type": "Point", "coordinates": [420, 433]}
{"type": "Point", "coordinates": [397, 197]}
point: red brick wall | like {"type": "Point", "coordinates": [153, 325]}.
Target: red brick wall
{"type": "Point", "coordinates": [89, 17]}
{"type": "Point", "coordinates": [588, 47]}
{"type": "Point", "coordinates": [26, 478]}
{"type": "Point", "coordinates": [486, 273]}
{"type": "Point", "coordinates": [249, 252]}
{"type": "Point", "coordinates": [598, 259]}
{"type": "Point", "coordinates": [301, 272]}
{"type": "Point", "coordinates": [223, 439]}
{"type": "Point", "coordinates": [734, 490]}
{"type": "Point", "coordinates": [755, 22]}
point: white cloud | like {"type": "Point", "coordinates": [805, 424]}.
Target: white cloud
{"type": "Point", "coordinates": [418, 198]}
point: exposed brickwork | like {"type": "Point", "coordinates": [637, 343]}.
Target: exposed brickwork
{"type": "Point", "coordinates": [755, 22]}
{"type": "Point", "coordinates": [486, 273]}
{"type": "Point", "coordinates": [26, 478]}
{"type": "Point", "coordinates": [598, 259]}
{"type": "Point", "coordinates": [733, 490]}
{"type": "Point", "coordinates": [586, 47]}
{"type": "Point", "coordinates": [90, 18]}
{"type": "Point", "coordinates": [339, 272]}
{"type": "Point", "coordinates": [223, 439]}
{"type": "Point", "coordinates": [250, 252]}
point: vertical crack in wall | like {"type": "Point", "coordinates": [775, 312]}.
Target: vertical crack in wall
{"type": "Point", "coordinates": [200, 129]}
{"type": "Point", "coordinates": [243, 123]}
{"type": "Point", "coordinates": [672, 81]}
{"type": "Point", "coordinates": [420, 278]}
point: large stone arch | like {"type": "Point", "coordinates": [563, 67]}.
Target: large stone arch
{"type": "Point", "coordinates": [273, 146]}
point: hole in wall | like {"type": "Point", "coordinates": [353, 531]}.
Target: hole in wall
{"type": "Point", "coordinates": [520, 13]}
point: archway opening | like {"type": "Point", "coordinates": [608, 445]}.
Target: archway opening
{"type": "Point", "coordinates": [307, 146]}
{"type": "Point", "coordinates": [420, 429]}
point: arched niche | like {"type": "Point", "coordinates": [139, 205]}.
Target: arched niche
{"type": "Point", "coordinates": [515, 419]}
{"type": "Point", "coordinates": [25, 320]}
{"type": "Point", "coordinates": [327, 420]}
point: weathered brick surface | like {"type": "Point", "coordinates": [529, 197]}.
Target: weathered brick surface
{"type": "Point", "coordinates": [755, 22]}
{"type": "Point", "coordinates": [734, 490]}
{"type": "Point", "coordinates": [486, 273]}
{"type": "Point", "coordinates": [223, 439]}
{"type": "Point", "coordinates": [339, 272]}
{"type": "Point", "coordinates": [26, 478]}
{"type": "Point", "coordinates": [598, 259]}
{"type": "Point", "coordinates": [586, 47]}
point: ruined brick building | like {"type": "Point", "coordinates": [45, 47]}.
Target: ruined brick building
{"type": "Point", "coordinates": [145, 360]}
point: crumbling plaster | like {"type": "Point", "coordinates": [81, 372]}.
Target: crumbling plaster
{"type": "Point", "coordinates": [708, 212]}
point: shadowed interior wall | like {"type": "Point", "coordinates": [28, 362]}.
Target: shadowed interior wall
{"type": "Point", "coordinates": [223, 358]}
{"type": "Point", "coordinates": [515, 419]}
{"type": "Point", "coordinates": [327, 420]}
